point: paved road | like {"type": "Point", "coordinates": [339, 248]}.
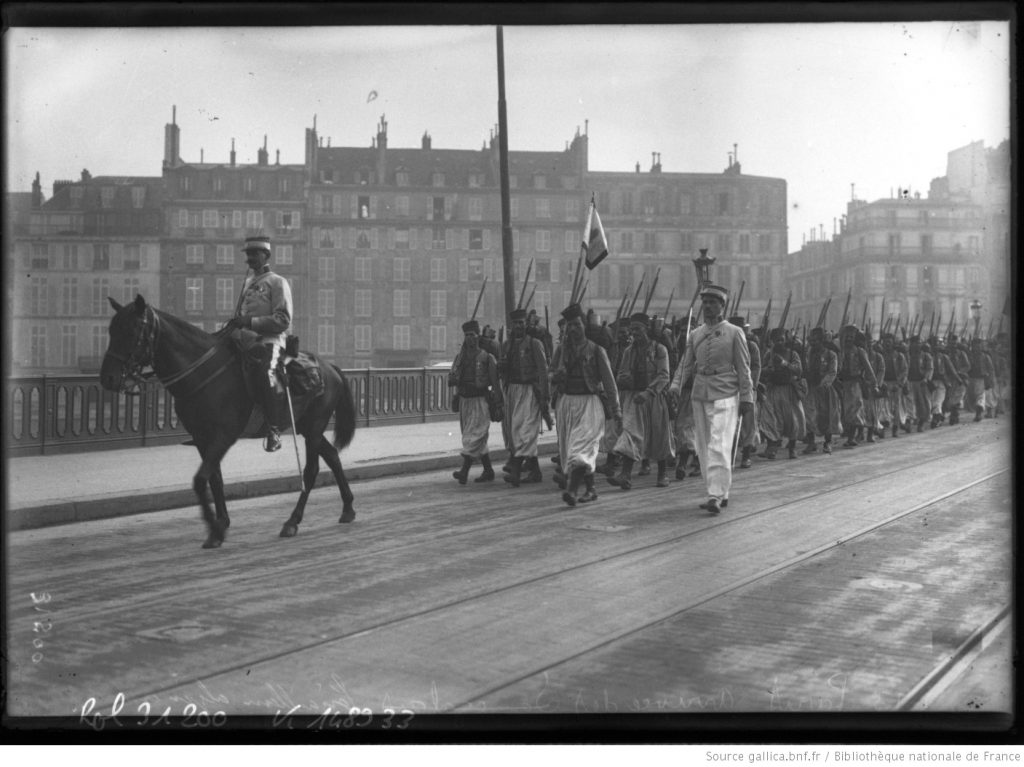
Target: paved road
{"type": "Point", "coordinates": [832, 583]}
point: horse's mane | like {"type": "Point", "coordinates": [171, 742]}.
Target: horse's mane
{"type": "Point", "coordinates": [186, 328]}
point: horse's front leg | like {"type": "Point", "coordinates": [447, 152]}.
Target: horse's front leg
{"type": "Point", "coordinates": [219, 500]}
{"type": "Point", "coordinates": [309, 473]}
{"type": "Point", "coordinates": [201, 484]}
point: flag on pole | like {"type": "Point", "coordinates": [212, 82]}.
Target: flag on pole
{"type": "Point", "coordinates": [595, 244]}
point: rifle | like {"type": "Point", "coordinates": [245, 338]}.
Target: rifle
{"type": "Point", "coordinates": [991, 320]}
{"type": "Point", "coordinates": [824, 311]}
{"type": "Point", "coordinates": [636, 295]}
{"type": "Point", "coordinates": [952, 324]}
{"type": "Point", "coordinates": [519, 304]}
{"type": "Point", "coordinates": [881, 318]}
{"type": "Point", "coordinates": [650, 293]}
{"type": "Point", "coordinates": [767, 314]}
{"type": "Point", "coordinates": [785, 310]}
{"type": "Point", "coordinates": [931, 325]}
{"type": "Point", "coordinates": [669, 306]}
{"type": "Point", "coordinates": [530, 299]}
{"type": "Point", "coordinates": [846, 309]}
{"type": "Point", "coordinates": [864, 316]}
{"type": "Point", "coordinates": [479, 298]}
{"type": "Point", "coordinates": [546, 323]}
{"type": "Point", "coordinates": [622, 305]}
{"type": "Point", "coordinates": [739, 297]}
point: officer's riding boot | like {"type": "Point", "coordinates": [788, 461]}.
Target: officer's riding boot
{"type": "Point", "coordinates": [533, 466]}
{"type": "Point", "coordinates": [662, 473]}
{"type": "Point", "coordinates": [463, 473]}
{"type": "Point", "coordinates": [746, 463]}
{"type": "Point", "coordinates": [488, 473]}
{"type": "Point", "coordinates": [591, 494]}
{"type": "Point", "coordinates": [271, 412]}
{"type": "Point", "coordinates": [684, 455]}
{"type": "Point", "coordinates": [791, 447]}
{"type": "Point", "coordinates": [575, 478]}
{"type": "Point", "coordinates": [645, 467]}
{"type": "Point", "coordinates": [513, 470]}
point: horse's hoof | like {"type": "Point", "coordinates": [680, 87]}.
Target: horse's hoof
{"type": "Point", "coordinates": [289, 531]}
{"type": "Point", "coordinates": [213, 543]}
{"type": "Point", "coordinates": [347, 515]}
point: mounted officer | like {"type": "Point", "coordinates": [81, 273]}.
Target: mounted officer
{"type": "Point", "coordinates": [265, 307]}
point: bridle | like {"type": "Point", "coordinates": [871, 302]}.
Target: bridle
{"type": "Point", "coordinates": [133, 364]}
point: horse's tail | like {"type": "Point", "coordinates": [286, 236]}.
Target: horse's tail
{"type": "Point", "coordinates": [344, 414]}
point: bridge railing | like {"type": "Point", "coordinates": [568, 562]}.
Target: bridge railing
{"type": "Point", "coordinates": [67, 414]}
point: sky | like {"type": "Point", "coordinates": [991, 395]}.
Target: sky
{"type": "Point", "coordinates": [822, 105]}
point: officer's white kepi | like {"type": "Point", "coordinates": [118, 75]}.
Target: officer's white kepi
{"type": "Point", "coordinates": [257, 243]}
{"type": "Point", "coordinates": [714, 290]}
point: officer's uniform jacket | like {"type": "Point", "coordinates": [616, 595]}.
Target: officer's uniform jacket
{"type": "Point", "coordinates": [718, 358]}
{"type": "Point", "coordinates": [267, 298]}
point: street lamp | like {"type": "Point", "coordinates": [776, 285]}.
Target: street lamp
{"type": "Point", "coordinates": [703, 265]}
{"type": "Point", "coordinates": [976, 314]}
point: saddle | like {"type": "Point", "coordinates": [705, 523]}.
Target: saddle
{"type": "Point", "coordinates": [297, 371]}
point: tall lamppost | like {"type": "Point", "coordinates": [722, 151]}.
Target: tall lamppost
{"type": "Point", "coordinates": [976, 314]}
{"type": "Point", "coordinates": [703, 265]}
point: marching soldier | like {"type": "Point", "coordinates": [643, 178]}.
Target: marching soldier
{"type": "Point", "coordinates": [919, 373]}
{"type": "Point", "coordinates": [894, 382]}
{"type": "Point", "coordinates": [586, 395]}
{"type": "Point", "coordinates": [749, 436]}
{"type": "Point", "coordinates": [982, 377]}
{"type": "Point", "coordinates": [718, 358]}
{"type": "Point", "coordinates": [944, 378]}
{"type": "Point", "coordinates": [642, 379]}
{"type": "Point", "coordinates": [475, 376]}
{"type": "Point", "coordinates": [875, 402]}
{"type": "Point", "coordinates": [782, 413]}
{"type": "Point", "coordinates": [536, 330]}
{"type": "Point", "coordinates": [956, 393]}
{"type": "Point", "coordinates": [854, 372]}
{"type": "Point", "coordinates": [524, 370]}
{"type": "Point", "coordinates": [265, 307]}
{"type": "Point", "coordinates": [822, 402]}
{"type": "Point", "coordinates": [620, 339]}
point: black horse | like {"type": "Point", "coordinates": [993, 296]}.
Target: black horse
{"type": "Point", "coordinates": [204, 374]}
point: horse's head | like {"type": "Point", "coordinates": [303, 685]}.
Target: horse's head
{"type": "Point", "coordinates": [131, 346]}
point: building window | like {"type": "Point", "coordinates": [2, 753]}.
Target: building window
{"type": "Point", "coordinates": [437, 179]}
{"type": "Point", "coordinates": [363, 335]}
{"type": "Point", "coordinates": [363, 206]}
{"type": "Point", "coordinates": [69, 296]}
{"type": "Point", "coordinates": [627, 242]}
{"type": "Point", "coordinates": [438, 303]}
{"type": "Point", "coordinates": [363, 303]}
{"type": "Point", "coordinates": [627, 202]}
{"type": "Point", "coordinates": [540, 181]}
{"type": "Point", "coordinates": [363, 269]}
{"type": "Point", "coordinates": [438, 338]}
{"type": "Point", "coordinates": [402, 205]}
{"type": "Point", "coordinates": [438, 270]}
{"type": "Point", "coordinates": [225, 287]}
{"type": "Point", "coordinates": [927, 277]}
{"type": "Point", "coordinates": [476, 239]}
{"type": "Point", "coordinates": [287, 219]}
{"type": "Point", "coordinates": [247, 185]}
{"type": "Point", "coordinates": [37, 345]}
{"type": "Point", "coordinates": [744, 243]}
{"type": "Point", "coordinates": [572, 209]}
{"type": "Point", "coordinates": [210, 219]}
{"type": "Point", "coordinates": [894, 244]}
{"type": "Point", "coordinates": [194, 254]}
{"type": "Point", "coordinates": [926, 244]}
{"type": "Point", "coordinates": [225, 255]}
{"type": "Point", "coordinates": [254, 219]}
{"type": "Point", "coordinates": [401, 270]}
{"type": "Point", "coordinates": [327, 268]}
{"type": "Point", "coordinates": [572, 241]}
{"type": "Point", "coordinates": [98, 340]}
{"type": "Point", "coordinates": [513, 207]}
{"type": "Point", "coordinates": [325, 302]}
{"type": "Point", "coordinates": [543, 241]}
{"type": "Point", "coordinates": [542, 271]}
{"type": "Point", "coordinates": [723, 243]}
{"type": "Point", "coordinates": [649, 243]}
{"type": "Point", "coordinates": [40, 256]}
{"type": "Point", "coordinates": [37, 303]}
{"type": "Point", "coordinates": [236, 219]}
{"type": "Point", "coordinates": [542, 206]}
{"type": "Point", "coordinates": [401, 239]}
{"type": "Point", "coordinates": [283, 185]}
{"type": "Point", "coordinates": [400, 303]}
{"type": "Point", "coordinates": [283, 254]}
{"type": "Point", "coordinates": [101, 257]}
{"type": "Point", "coordinates": [130, 288]}
{"type": "Point", "coordinates": [402, 179]}
{"type": "Point", "coordinates": [763, 243]}
{"type": "Point", "coordinates": [363, 238]}
{"type": "Point", "coordinates": [471, 298]}
{"type": "Point", "coordinates": [326, 239]}
{"type": "Point", "coordinates": [648, 200]}
{"type": "Point", "coordinates": [138, 196]}
{"type": "Point", "coordinates": [326, 339]}
{"type": "Point", "coordinates": [723, 203]}
{"type": "Point", "coordinates": [100, 291]}
{"type": "Point", "coordinates": [400, 337]}
{"type": "Point", "coordinates": [68, 345]}
{"type": "Point", "coordinates": [476, 180]}
{"type": "Point", "coordinates": [193, 294]}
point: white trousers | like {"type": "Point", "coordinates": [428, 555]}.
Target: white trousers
{"type": "Point", "coordinates": [714, 430]}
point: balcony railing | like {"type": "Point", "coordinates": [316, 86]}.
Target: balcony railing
{"type": "Point", "coordinates": [47, 415]}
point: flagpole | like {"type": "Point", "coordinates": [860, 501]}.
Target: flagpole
{"type": "Point", "coordinates": [508, 269]}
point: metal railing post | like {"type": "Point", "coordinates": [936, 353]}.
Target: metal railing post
{"type": "Point", "coordinates": [43, 409]}
{"type": "Point", "coordinates": [423, 395]}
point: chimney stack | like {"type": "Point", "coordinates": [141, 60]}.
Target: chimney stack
{"type": "Point", "coordinates": [172, 141]}
{"type": "Point", "coordinates": [426, 140]}
{"type": "Point", "coordinates": [37, 192]}
{"type": "Point", "coordinates": [261, 153]}
{"type": "Point", "coordinates": [232, 153]}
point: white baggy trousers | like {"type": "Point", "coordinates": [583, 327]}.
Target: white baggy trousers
{"type": "Point", "coordinates": [714, 430]}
